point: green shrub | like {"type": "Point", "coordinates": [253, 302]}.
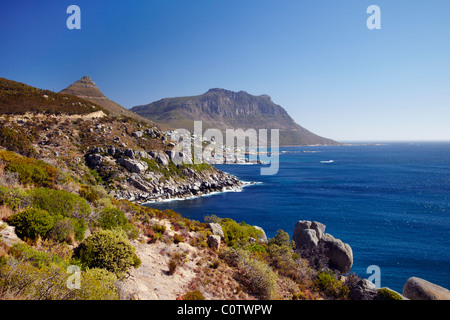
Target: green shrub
{"type": "Point", "coordinates": [32, 223]}
{"type": "Point", "coordinates": [48, 281]}
{"type": "Point", "coordinates": [15, 139]}
{"type": "Point", "coordinates": [79, 228]}
{"type": "Point", "coordinates": [109, 250]}
{"type": "Point", "coordinates": [38, 259]}
{"type": "Point", "coordinates": [282, 255]}
{"type": "Point", "coordinates": [281, 239]}
{"type": "Point", "coordinates": [111, 217]}
{"type": "Point", "coordinates": [89, 193]}
{"type": "Point", "coordinates": [60, 203]}
{"type": "Point", "coordinates": [238, 233]}
{"type": "Point", "coordinates": [194, 295]}
{"type": "Point", "coordinates": [159, 228]}
{"type": "Point", "coordinates": [62, 230]}
{"type": "Point", "coordinates": [177, 239]}
{"type": "Point", "coordinates": [386, 294]}
{"type": "Point", "coordinates": [33, 172]}
{"type": "Point", "coordinates": [258, 277]}
{"type": "Point", "coordinates": [98, 284]}
{"type": "Point", "coordinates": [29, 170]}
{"type": "Point", "coordinates": [15, 198]}
{"type": "Point", "coordinates": [327, 283]}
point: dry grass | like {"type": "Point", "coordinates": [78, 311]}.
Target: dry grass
{"type": "Point", "coordinates": [5, 212]}
{"type": "Point", "coordinates": [216, 280]}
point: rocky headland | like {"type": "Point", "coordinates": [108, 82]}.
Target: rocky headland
{"type": "Point", "coordinates": [145, 178]}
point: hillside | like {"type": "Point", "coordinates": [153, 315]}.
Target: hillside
{"type": "Point", "coordinates": [20, 98]}
{"type": "Point", "coordinates": [224, 109]}
{"type": "Point", "coordinates": [86, 88]}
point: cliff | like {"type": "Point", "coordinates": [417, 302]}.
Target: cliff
{"type": "Point", "coordinates": [223, 109]}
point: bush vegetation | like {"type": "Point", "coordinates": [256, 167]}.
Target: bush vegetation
{"type": "Point", "coordinates": [29, 170]}
{"type": "Point", "coordinates": [235, 233]}
{"type": "Point", "coordinates": [15, 198]}
{"type": "Point", "coordinates": [30, 274]}
{"type": "Point", "coordinates": [109, 250]}
{"type": "Point", "coordinates": [14, 138]}
{"type": "Point", "coordinates": [32, 223]}
{"type": "Point", "coordinates": [327, 283]}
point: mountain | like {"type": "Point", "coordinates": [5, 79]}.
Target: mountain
{"type": "Point", "coordinates": [132, 159]}
{"type": "Point", "coordinates": [224, 109]}
{"type": "Point", "coordinates": [85, 88]}
{"type": "Point", "coordinates": [20, 98]}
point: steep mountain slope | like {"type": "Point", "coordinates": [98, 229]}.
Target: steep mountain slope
{"type": "Point", "coordinates": [85, 88]}
{"type": "Point", "coordinates": [224, 109]}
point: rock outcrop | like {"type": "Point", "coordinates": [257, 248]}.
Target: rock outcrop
{"type": "Point", "coordinates": [217, 230]}
{"type": "Point", "coordinates": [214, 242]}
{"type": "Point", "coordinates": [8, 235]}
{"type": "Point", "coordinates": [419, 289]}
{"type": "Point", "coordinates": [363, 290]}
{"type": "Point", "coordinates": [142, 183]}
{"type": "Point", "coordinates": [310, 235]}
{"type": "Point", "coordinates": [263, 237]}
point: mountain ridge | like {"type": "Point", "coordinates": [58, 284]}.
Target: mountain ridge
{"type": "Point", "coordinates": [226, 109]}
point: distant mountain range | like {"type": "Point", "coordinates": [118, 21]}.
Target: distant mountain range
{"type": "Point", "coordinates": [224, 109]}
{"type": "Point", "coordinates": [217, 108]}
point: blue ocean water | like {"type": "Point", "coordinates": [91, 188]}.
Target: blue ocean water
{"type": "Point", "coordinates": [390, 202]}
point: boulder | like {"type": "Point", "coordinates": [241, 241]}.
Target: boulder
{"type": "Point", "coordinates": [339, 254]}
{"type": "Point", "coordinates": [214, 242]}
{"type": "Point", "coordinates": [94, 159]}
{"type": "Point", "coordinates": [160, 156]}
{"type": "Point", "coordinates": [308, 238]}
{"type": "Point", "coordinates": [217, 230]}
{"type": "Point", "coordinates": [262, 238]}
{"type": "Point", "coordinates": [363, 290]}
{"type": "Point", "coordinates": [304, 236]}
{"type": "Point", "coordinates": [319, 228]}
{"type": "Point", "coordinates": [134, 166]}
{"type": "Point", "coordinates": [309, 235]}
{"type": "Point", "coordinates": [138, 134]}
{"type": "Point", "coordinates": [419, 289]}
{"type": "Point", "coordinates": [179, 157]}
{"type": "Point", "coordinates": [8, 235]}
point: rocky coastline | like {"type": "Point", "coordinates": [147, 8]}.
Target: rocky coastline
{"type": "Point", "coordinates": [144, 177]}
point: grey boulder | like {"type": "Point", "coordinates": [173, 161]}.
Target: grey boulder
{"type": "Point", "coordinates": [419, 289]}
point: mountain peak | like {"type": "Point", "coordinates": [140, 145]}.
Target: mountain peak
{"type": "Point", "coordinates": [87, 79]}
{"type": "Point", "coordinates": [85, 88]}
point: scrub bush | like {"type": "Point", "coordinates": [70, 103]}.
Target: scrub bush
{"type": "Point", "coordinates": [109, 250]}
{"type": "Point", "coordinates": [32, 223]}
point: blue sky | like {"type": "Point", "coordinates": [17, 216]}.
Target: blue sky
{"type": "Point", "coordinates": [317, 59]}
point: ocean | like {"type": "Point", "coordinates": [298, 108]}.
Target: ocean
{"type": "Point", "coordinates": [390, 202]}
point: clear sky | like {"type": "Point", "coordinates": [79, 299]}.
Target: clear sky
{"type": "Point", "coordinates": [317, 59]}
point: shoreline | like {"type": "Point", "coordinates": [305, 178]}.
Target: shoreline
{"type": "Point", "coordinates": [238, 188]}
